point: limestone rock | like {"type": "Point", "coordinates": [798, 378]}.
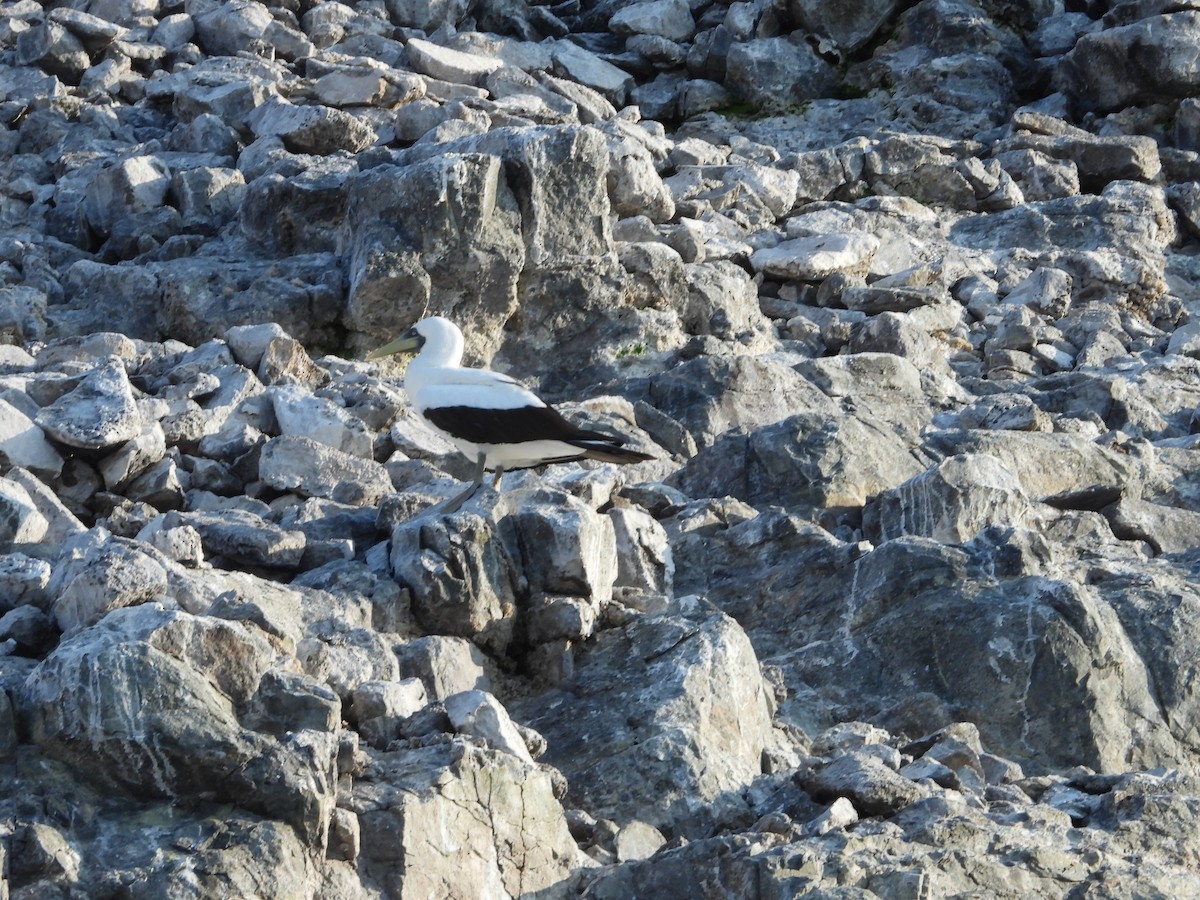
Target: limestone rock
{"type": "Point", "coordinates": [448, 64]}
{"type": "Point", "coordinates": [713, 711]}
{"type": "Point", "coordinates": [22, 522]}
{"type": "Point", "coordinates": [300, 413]}
{"type": "Point", "coordinates": [242, 537]}
{"type": "Point", "coordinates": [446, 665]}
{"type": "Point", "coordinates": [22, 443]}
{"type": "Point", "coordinates": [438, 819]}
{"type": "Point", "coordinates": [951, 502]}
{"type": "Point", "coordinates": [400, 247]}
{"type": "Point", "coordinates": [563, 547]}
{"type": "Point", "coordinates": [1101, 72]}
{"type": "Point", "coordinates": [99, 573]}
{"type": "Point", "coordinates": [299, 463]}
{"type": "Point", "coordinates": [100, 412]}
{"type": "Point", "coordinates": [871, 786]}
{"type": "Point", "coordinates": [815, 258]}
{"type": "Point", "coordinates": [77, 703]}
{"type": "Point", "coordinates": [845, 31]}
{"type": "Point", "coordinates": [24, 581]}
{"type": "Point", "coordinates": [906, 297]}
{"type": "Point", "coordinates": [670, 19]}
{"type": "Point", "coordinates": [311, 129]}
{"type": "Point", "coordinates": [1058, 466]}
{"type": "Point", "coordinates": [814, 461]}
{"type": "Point", "coordinates": [462, 578]}
{"type": "Point", "coordinates": [776, 73]}
{"type": "Point", "coordinates": [480, 715]}
{"type": "Point", "coordinates": [60, 522]}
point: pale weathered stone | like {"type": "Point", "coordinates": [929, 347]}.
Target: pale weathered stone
{"type": "Point", "coordinates": [644, 559]}
{"type": "Point", "coordinates": [562, 546]}
{"type": "Point", "coordinates": [970, 447]}
{"type": "Point", "coordinates": [871, 786]}
{"type": "Point", "coordinates": [23, 443]}
{"type": "Point", "coordinates": [446, 665]}
{"type": "Point", "coordinates": [439, 818]}
{"type": "Point", "coordinates": [21, 522]}
{"type": "Point", "coordinates": [99, 573]}
{"type": "Point", "coordinates": [61, 523]}
{"type": "Point", "coordinates": [300, 413]}
{"type": "Point", "coordinates": [480, 715]}
{"type": "Point", "coordinates": [449, 65]}
{"type": "Point", "coordinates": [815, 258]}
{"type": "Point", "coordinates": [1102, 73]}
{"type": "Point", "coordinates": [301, 464]}
{"type": "Point", "coordinates": [372, 699]}
{"type": "Point", "coordinates": [671, 19]}
{"type": "Point", "coordinates": [134, 457]}
{"type": "Point", "coordinates": [311, 129]}
{"type": "Point", "coordinates": [952, 502]}
{"type": "Point", "coordinates": [99, 413]}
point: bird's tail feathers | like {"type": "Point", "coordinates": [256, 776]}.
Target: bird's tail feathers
{"type": "Point", "coordinates": [609, 450]}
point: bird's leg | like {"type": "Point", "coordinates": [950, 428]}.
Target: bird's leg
{"type": "Point", "coordinates": [499, 475]}
{"type": "Point", "coordinates": [454, 503]}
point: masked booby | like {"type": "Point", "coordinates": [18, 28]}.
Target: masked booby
{"type": "Point", "coordinates": [491, 418]}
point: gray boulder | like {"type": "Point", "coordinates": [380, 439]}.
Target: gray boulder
{"type": "Point", "coordinates": [399, 247]}
{"type": "Point", "coordinates": [299, 212]}
{"type": "Point", "coordinates": [98, 413]}
{"type": "Point", "coordinates": [316, 129]}
{"type": "Point", "coordinates": [455, 819]}
{"type": "Point", "coordinates": [1144, 61]}
{"type": "Point", "coordinates": [951, 502]}
{"type": "Point", "coordinates": [1058, 467]}
{"type": "Point", "coordinates": [184, 738]}
{"type": "Point", "coordinates": [562, 546]}
{"type": "Point", "coordinates": [811, 461]}
{"type": "Point", "coordinates": [201, 297]}
{"type": "Point", "coordinates": [23, 443]}
{"type": "Point", "coordinates": [21, 522]}
{"type": "Point", "coordinates": [694, 740]}
{"type": "Point", "coordinates": [844, 30]}
{"type": "Point", "coordinates": [776, 73]}
{"type": "Point", "coordinates": [1039, 700]}
{"type": "Point", "coordinates": [710, 396]}
{"type": "Point", "coordinates": [238, 537]}
{"type": "Point", "coordinates": [462, 577]}
{"type": "Point", "coordinates": [98, 573]}
{"type": "Point", "coordinates": [294, 462]}
{"type": "Point", "coordinates": [446, 665]}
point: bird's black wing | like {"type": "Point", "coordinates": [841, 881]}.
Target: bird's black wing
{"type": "Point", "coordinates": [507, 426]}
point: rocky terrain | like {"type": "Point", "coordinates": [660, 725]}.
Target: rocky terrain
{"type": "Point", "coordinates": [901, 297]}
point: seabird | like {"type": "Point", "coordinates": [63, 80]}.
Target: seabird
{"type": "Point", "coordinates": [491, 418]}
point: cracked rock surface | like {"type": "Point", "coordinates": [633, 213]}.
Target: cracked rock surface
{"type": "Point", "coordinates": [899, 297]}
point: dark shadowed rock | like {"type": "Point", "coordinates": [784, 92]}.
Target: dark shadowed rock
{"type": "Point", "coordinates": [1117, 67]}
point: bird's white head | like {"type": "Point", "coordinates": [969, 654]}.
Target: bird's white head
{"type": "Point", "coordinates": [438, 340]}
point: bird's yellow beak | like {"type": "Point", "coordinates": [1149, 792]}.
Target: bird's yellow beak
{"type": "Point", "coordinates": [409, 342]}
